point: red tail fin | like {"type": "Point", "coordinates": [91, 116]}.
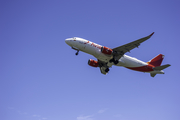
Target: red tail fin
{"type": "Point", "coordinates": [156, 61]}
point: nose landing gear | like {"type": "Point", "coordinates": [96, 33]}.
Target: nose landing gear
{"type": "Point", "coordinates": [77, 52]}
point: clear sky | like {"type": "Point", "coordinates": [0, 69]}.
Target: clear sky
{"type": "Point", "coordinates": [42, 79]}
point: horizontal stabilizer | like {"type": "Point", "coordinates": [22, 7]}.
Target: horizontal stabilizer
{"type": "Point", "coordinates": [153, 74]}
{"type": "Point", "coordinates": [162, 67]}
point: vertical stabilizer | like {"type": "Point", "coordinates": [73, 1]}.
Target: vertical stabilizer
{"type": "Point", "coordinates": [156, 61]}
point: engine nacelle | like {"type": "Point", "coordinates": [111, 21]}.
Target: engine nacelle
{"type": "Point", "coordinates": [93, 63]}
{"type": "Point", "coordinates": [106, 50]}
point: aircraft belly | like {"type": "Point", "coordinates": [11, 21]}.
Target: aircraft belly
{"type": "Point", "coordinates": [88, 49]}
{"type": "Point", "coordinates": [121, 63]}
{"type": "Point", "coordinates": [101, 56]}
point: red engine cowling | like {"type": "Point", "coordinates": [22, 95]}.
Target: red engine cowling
{"type": "Point", "coordinates": [106, 50]}
{"type": "Point", "coordinates": [93, 63]}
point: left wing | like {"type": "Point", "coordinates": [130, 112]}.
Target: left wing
{"type": "Point", "coordinates": [121, 50]}
{"type": "Point", "coordinates": [104, 68]}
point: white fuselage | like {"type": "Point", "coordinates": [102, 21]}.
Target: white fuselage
{"type": "Point", "coordinates": [95, 50]}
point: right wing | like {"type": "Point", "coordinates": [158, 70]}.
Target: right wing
{"type": "Point", "coordinates": [121, 50]}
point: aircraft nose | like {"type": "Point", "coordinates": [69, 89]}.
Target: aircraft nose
{"type": "Point", "coordinates": [68, 41]}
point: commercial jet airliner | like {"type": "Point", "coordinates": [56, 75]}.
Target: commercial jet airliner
{"type": "Point", "coordinates": [106, 57]}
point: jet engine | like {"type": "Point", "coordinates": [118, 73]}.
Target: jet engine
{"type": "Point", "coordinates": [106, 50]}
{"type": "Point", "coordinates": [93, 63]}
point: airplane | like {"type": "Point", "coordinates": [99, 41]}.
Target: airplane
{"type": "Point", "coordinates": [106, 57]}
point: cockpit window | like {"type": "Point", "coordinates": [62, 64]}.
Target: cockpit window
{"type": "Point", "coordinates": [74, 38]}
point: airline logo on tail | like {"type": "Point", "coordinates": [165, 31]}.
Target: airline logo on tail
{"type": "Point", "coordinates": [156, 61]}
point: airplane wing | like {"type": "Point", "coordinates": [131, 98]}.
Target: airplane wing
{"type": "Point", "coordinates": [103, 66]}
{"type": "Point", "coordinates": [121, 50]}
{"type": "Point", "coordinates": [102, 69]}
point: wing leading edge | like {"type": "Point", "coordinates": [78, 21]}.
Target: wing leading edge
{"type": "Point", "coordinates": [121, 50]}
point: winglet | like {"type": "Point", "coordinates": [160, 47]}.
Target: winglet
{"type": "Point", "coordinates": [151, 34]}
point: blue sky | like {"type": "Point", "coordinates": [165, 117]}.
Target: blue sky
{"type": "Point", "coordinates": [42, 79]}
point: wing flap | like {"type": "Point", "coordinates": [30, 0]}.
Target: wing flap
{"type": "Point", "coordinates": [102, 69]}
{"type": "Point", "coordinates": [102, 66]}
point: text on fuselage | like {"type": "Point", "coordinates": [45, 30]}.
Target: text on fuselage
{"type": "Point", "coordinates": [93, 44]}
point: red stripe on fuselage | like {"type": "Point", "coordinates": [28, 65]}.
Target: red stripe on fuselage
{"type": "Point", "coordinates": [147, 68]}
